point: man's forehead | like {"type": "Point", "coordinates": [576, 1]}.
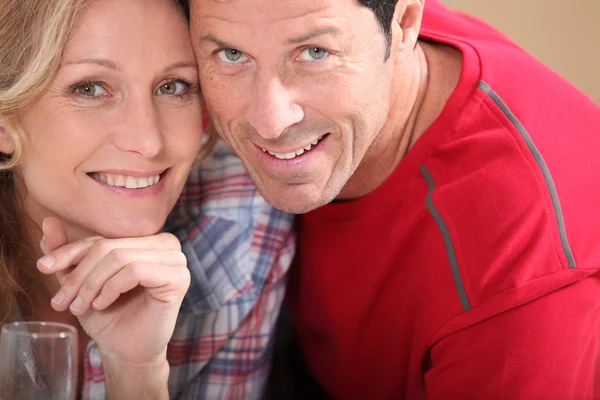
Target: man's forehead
{"type": "Point", "coordinates": [268, 11]}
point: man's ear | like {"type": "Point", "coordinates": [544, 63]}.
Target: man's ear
{"type": "Point", "coordinates": [7, 143]}
{"type": "Point", "coordinates": [407, 23]}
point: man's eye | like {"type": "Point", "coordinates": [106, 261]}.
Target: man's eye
{"type": "Point", "coordinates": [313, 53]}
{"type": "Point", "coordinates": [173, 88]}
{"type": "Point", "coordinates": [89, 89]}
{"type": "Point", "coordinates": [232, 56]}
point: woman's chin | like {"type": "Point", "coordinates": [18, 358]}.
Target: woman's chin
{"type": "Point", "coordinates": [125, 229]}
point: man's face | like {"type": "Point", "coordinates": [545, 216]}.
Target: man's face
{"type": "Point", "coordinates": [299, 89]}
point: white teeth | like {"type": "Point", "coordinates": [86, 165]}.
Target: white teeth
{"type": "Point", "coordinates": [120, 181]}
{"type": "Point", "coordinates": [289, 156]}
{"type": "Point", "coordinates": [142, 183]}
{"type": "Point", "coordinates": [128, 182]}
{"type": "Point", "coordinates": [131, 183]}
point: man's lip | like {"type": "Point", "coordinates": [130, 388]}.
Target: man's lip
{"type": "Point", "coordinates": [300, 164]}
{"type": "Point", "coordinates": [280, 151]}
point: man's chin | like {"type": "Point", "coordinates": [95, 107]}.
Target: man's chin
{"type": "Point", "coordinates": [295, 202]}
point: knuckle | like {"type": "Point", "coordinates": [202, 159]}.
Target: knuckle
{"type": "Point", "coordinates": [188, 278]}
{"type": "Point", "coordinates": [121, 256]}
{"type": "Point", "coordinates": [184, 277]}
{"type": "Point", "coordinates": [102, 246]}
{"type": "Point", "coordinates": [136, 269]}
{"type": "Point", "coordinates": [180, 258]}
{"type": "Point", "coordinates": [170, 240]}
{"type": "Point", "coordinates": [110, 288]}
{"type": "Point", "coordinates": [93, 239]}
{"type": "Point", "coordinates": [71, 282]}
{"type": "Point", "coordinates": [88, 289]}
{"type": "Point", "coordinates": [64, 254]}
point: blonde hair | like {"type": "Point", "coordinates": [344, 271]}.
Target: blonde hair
{"type": "Point", "coordinates": [33, 34]}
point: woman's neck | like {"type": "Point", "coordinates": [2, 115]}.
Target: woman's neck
{"type": "Point", "coordinates": [43, 287]}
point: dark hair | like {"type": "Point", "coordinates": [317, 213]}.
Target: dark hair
{"type": "Point", "coordinates": [383, 10]}
{"type": "Point", "coordinates": [186, 7]}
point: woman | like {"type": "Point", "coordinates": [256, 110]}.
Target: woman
{"type": "Point", "coordinates": [99, 126]}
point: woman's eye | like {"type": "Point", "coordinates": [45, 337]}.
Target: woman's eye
{"type": "Point", "coordinates": [313, 53]}
{"type": "Point", "coordinates": [232, 56]}
{"type": "Point", "coordinates": [172, 88]}
{"type": "Point", "coordinates": [89, 89]}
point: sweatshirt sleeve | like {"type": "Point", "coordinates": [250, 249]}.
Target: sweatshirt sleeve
{"type": "Point", "coordinates": [545, 349]}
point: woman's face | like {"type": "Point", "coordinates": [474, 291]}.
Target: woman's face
{"type": "Point", "coordinates": [113, 138]}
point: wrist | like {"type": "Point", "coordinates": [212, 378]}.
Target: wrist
{"type": "Point", "coordinates": [125, 380]}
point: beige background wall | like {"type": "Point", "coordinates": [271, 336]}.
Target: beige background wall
{"type": "Point", "coordinates": [564, 34]}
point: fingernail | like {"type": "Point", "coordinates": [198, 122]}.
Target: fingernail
{"type": "Point", "coordinates": [47, 261]}
{"type": "Point", "coordinates": [97, 301]}
{"type": "Point", "coordinates": [58, 298]}
{"type": "Point", "coordinates": [76, 304]}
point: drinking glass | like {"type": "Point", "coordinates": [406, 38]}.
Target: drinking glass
{"type": "Point", "coordinates": [38, 361]}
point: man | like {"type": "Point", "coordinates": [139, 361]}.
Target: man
{"type": "Point", "coordinates": [449, 237]}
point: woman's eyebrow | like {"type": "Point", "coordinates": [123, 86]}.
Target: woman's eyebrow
{"type": "Point", "coordinates": [98, 61]}
{"type": "Point", "coordinates": [181, 64]}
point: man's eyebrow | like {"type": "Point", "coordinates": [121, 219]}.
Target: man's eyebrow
{"type": "Point", "coordinates": [211, 38]}
{"type": "Point", "coordinates": [315, 33]}
{"type": "Point", "coordinates": [296, 40]}
{"type": "Point", "coordinates": [98, 61]}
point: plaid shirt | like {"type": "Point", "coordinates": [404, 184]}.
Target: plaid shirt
{"type": "Point", "coordinates": [238, 249]}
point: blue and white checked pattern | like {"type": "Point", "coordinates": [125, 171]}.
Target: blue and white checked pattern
{"type": "Point", "coordinates": [239, 249]}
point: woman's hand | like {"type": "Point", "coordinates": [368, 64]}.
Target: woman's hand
{"type": "Point", "coordinates": [126, 293]}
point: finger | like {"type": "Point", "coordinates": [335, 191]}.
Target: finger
{"type": "Point", "coordinates": [88, 253]}
{"type": "Point", "coordinates": [165, 283]}
{"type": "Point", "coordinates": [65, 256]}
{"type": "Point", "coordinates": [116, 260]}
{"type": "Point", "coordinates": [55, 234]}
{"type": "Point", "coordinates": [107, 261]}
{"type": "Point", "coordinates": [73, 253]}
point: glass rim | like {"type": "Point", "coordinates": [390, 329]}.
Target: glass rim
{"type": "Point", "coordinates": [62, 329]}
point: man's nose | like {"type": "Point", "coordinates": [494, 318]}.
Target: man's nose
{"type": "Point", "coordinates": [273, 108]}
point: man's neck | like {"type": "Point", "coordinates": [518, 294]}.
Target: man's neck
{"type": "Point", "coordinates": [419, 94]}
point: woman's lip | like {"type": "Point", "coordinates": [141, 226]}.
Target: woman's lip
{"type": "Point", "coordinates": [135, 193]}
{"type": "Point", "coordinates": [131, 173]}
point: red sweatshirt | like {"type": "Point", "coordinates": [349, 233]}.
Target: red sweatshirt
{"type": "Point", "coordinates": [472, 271]}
